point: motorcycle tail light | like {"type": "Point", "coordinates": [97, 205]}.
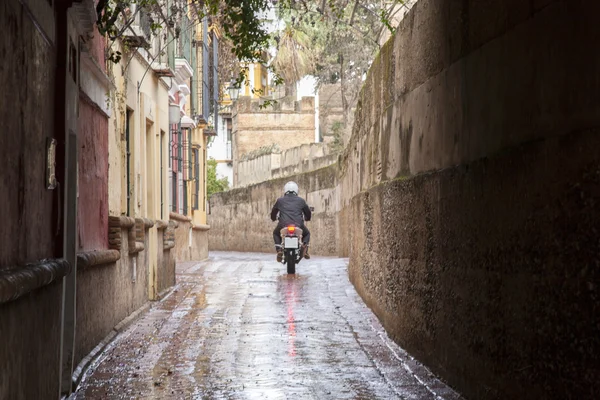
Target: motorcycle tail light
{"type": "Point", "coordinates": [291, 229]}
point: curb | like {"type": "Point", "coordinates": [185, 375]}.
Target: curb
{"type": "Point", "coordinates": [87, 361]}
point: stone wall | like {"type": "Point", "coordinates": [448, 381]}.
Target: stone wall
{"type": "Point", "coordinates": [287, 124]}
{"type": "Point", "coordinates": [258, 169]}
{"type": "Point", "coordinates": [240, 218]}
{"type": "Point", "coordinates": [278, 164]}
{"type": "Point", "coordinates": [466, 196]}
{"type": "Point", "coordinates": [331, 114]}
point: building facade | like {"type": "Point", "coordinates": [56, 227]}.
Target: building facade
{"type": "Point", "coordinates": [220, 148]}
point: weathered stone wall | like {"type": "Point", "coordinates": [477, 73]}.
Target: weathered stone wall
{"type": "Point", "coordinates": [278, 164]}
{"type": "Point", "coordinates": [486, 271]}
{"type": "Point", "coordinates": [466, 196]}
{"type": "Point", "coordinates": [331, 115]}
{"type": "Point", "coordinates": [240, 218]}
{"type": "Point", "coordinates": [257, 169]}
{"type": "Point", "coordinates": [287, 124]}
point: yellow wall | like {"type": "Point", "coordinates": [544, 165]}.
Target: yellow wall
{"type": "Point", "coordinates": [254, 79]}
{"type": "Point", "coordinates": [149, 126]}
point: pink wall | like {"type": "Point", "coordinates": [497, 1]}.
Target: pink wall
{"type": "Point", "coordinates": [96, 48]}
{"type": "Point", "coordinates": [93, 177]}
{"type": "Point", "coordinates": [92, 210]}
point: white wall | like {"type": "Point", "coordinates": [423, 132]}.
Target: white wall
{"type": "Point", "coordinates": [218, 150]}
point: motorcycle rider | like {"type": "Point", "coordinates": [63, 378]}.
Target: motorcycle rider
{"type": "Point", "coordinates": [292, 209]}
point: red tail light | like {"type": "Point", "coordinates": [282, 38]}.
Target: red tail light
{"type": "Point", "coordinates": [291, 229]}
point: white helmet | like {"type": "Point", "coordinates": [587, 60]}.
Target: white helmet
{"type": "Point", "coordinates": [290, 187]}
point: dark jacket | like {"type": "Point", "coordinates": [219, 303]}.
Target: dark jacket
{"type": "Point", "coordinates": [291, 209]}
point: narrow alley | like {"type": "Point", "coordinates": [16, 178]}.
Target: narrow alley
{"type": "Point", "coordinates": [440, 157]}
{"type": "Point", "coordinates": [238, 327]}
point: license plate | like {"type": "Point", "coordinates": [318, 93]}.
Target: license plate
{"type": "Point", "coordinates": [290, 243]}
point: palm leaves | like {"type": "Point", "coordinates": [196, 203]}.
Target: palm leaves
{"type": "Point", "coordinates": [295, 56]}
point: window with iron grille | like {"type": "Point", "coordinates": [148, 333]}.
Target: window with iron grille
{"type": "Point", "coordinates": [185, 150]}
{"type": "Point", "coordinates": [215, 97]}
{"type": "Point", "coordinates": [175, 156]}
{"type": "Point", "coordinates": [187, 165]}
{"type": "Point", "coordinates": [213, 77]}
{"type": "Point", "coordinates": [145, 23]}
{"type": "Point", "coordinates": [205, 69]}
{"type": "Point", "coordinates": [128, 130]}
{"type": "Point", "coordinates": [196, 191]}
{"type": "Point", "coordinates": [204, 177]}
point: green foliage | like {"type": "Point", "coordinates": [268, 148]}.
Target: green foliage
{"type": "Point", "coordinates": [213, 184]}
{"type": "Point", "coordinates": [337, 145]}
{"type": "Point", "coordinates": [111, 11]}
{"type": "Point", "coordinates": [335, 40]}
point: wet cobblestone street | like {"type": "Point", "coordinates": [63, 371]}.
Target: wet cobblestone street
{"type": "Point", "coordinates": [238, 327]}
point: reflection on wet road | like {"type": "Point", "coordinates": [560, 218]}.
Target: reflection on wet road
{"type": "Point", "coordinates": [238, 327]}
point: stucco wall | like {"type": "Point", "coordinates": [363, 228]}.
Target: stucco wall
{"type": "Point", "coordinates": [165, 265]}
{"type": "Point", "coordinates": [108, 293]}
{"type": "Point", "coordinates": [191, 241]}
{"type": "Point", "coordinates": [92, 212]}
{"type": "Point", "coordinates": [465, 198]}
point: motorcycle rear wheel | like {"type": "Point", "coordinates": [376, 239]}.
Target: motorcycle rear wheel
{"type": "Point", "coordinates": [290, 259]}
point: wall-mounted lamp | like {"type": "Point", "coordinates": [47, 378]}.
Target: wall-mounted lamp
{"type": "Point", "coordinates": [174, 113]}
{"type": "Point", "coordinates": [233, 90]}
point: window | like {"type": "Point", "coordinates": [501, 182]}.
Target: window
{"type": "Point", "coordinates": [128, 132]}
{"type": "Point", "coordinates": [174, 154]}
{"type": "Point", "coordinates": [174, 193]}
{"type": "Point", "coordinates": [229, 129]}
{"type": "Point", "coordinates": [196, 190]}
{"type": "Point", "coordinates": [162, 174]}
{"type": "Point", "coordinates": [204, 180]}
{"type": "Point", "coordinates": [205, 69]}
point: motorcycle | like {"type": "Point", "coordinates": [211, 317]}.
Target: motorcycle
{"type": "Point", "coordinates": [291, 236]}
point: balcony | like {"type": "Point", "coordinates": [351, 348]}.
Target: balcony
{"type": "Point", "coordinates": [139, 33]}
{"type": "Point", "coordinates": [183, 71]}
{"type": "Point", "coordinates": [162, 70]}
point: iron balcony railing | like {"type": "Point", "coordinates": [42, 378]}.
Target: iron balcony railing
{"type": "Point", "coordinates": [145, 24]}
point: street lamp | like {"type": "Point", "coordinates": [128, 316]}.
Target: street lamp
{"type": "Point", "coordinates": [233, 90]}
{"type": "Point", "coordinates": [174, 113]}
